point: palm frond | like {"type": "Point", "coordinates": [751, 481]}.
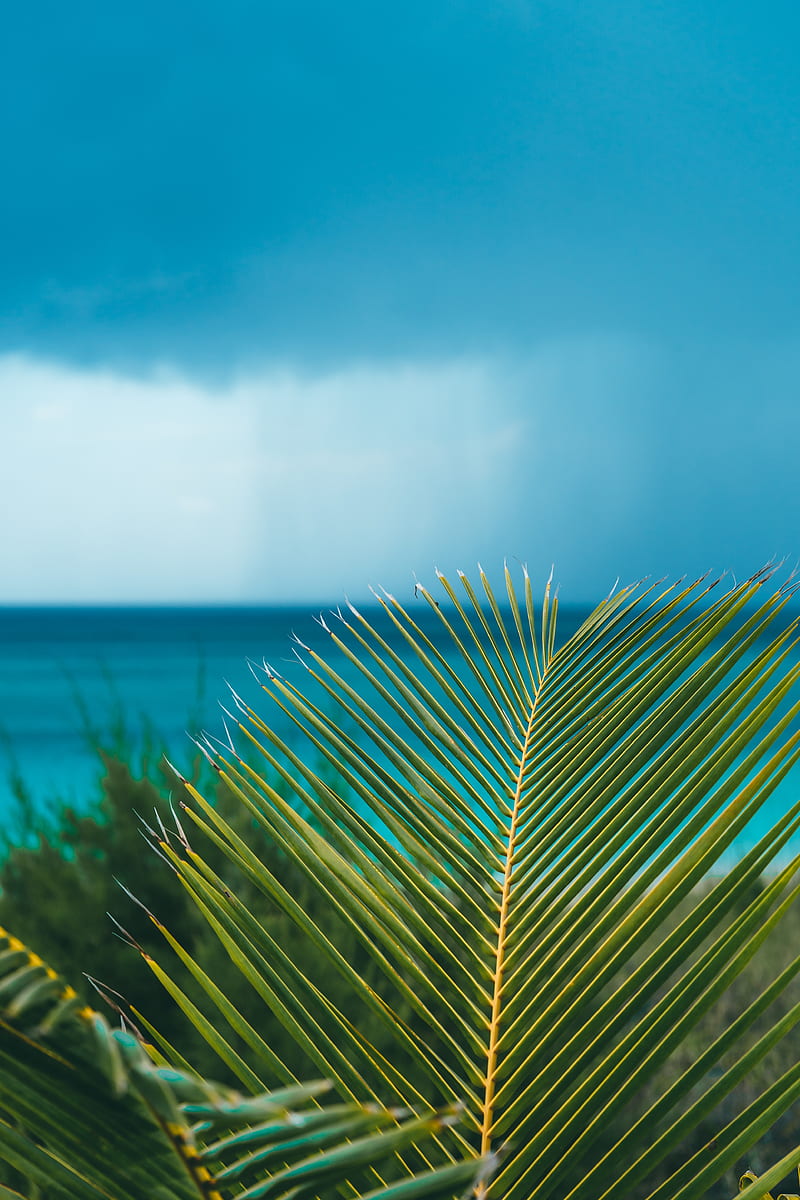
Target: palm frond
{"type": "Point", "coordinates": [521, 828]}
{"type": "Point", "coordinates": [91, 1112]}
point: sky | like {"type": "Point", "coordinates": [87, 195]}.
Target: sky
{"type": "Point", "coordinates": [298, 298]}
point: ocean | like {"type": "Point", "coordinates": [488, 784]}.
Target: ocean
{"type": "Point", "coordinates": [70, 677]}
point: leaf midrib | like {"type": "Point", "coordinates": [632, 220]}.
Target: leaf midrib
{"type": "Point", "coordinates": [487, 1121]}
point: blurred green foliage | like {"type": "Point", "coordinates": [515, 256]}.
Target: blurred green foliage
{"type": "Point", "coordinates": [64, 877]}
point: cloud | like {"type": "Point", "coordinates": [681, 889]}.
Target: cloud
{"type": "Point", "coordinates": [606, 456]}
{"type": "Point", "coordinates": [104, 476]}
{"type": "Point", "coordinates": [276, 487]}
{"type": "Point", "coordinates": [322, 183]}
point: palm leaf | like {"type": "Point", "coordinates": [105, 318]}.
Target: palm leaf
{"type": "Point", "coordinates": [88, 1112]}
{"type": "Point", "coordinates": [521, 829]}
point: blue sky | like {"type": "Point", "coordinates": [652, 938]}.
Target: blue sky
{"type": "Point", "coordinates": [298, 297]}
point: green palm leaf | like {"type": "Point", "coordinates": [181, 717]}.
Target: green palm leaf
{"type": "Point", "coordinates": [86, 1112]}
{"type": "Point", "coordinates": [521, 828]}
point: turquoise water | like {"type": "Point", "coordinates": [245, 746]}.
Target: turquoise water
{"type": "Point", "coordinates": [67, 671]}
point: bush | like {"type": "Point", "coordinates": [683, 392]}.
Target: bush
{"type": "Point", "coordinates": [62, 890]}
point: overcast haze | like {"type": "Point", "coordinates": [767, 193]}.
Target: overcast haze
{"type": "Point", "coordinates": [299, 297]}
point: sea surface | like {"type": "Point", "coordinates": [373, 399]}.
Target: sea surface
{"type": "Point", "coordinates": [72, 677]}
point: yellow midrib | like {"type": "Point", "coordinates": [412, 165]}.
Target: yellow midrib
{"type": "Point", "coordinates": [497, 983]}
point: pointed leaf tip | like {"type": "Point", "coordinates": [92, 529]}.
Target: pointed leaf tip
{"type": "Point", "coordinates": [300, 658]}
{"type": "Point", "coordinates": [175, 770]}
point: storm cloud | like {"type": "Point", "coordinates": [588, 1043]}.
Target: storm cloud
{"type": "Point", "coordinates": [296, 298]}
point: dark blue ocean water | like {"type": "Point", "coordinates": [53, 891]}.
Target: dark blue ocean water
{"type": "Point", "coordinates": [69, 675]}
